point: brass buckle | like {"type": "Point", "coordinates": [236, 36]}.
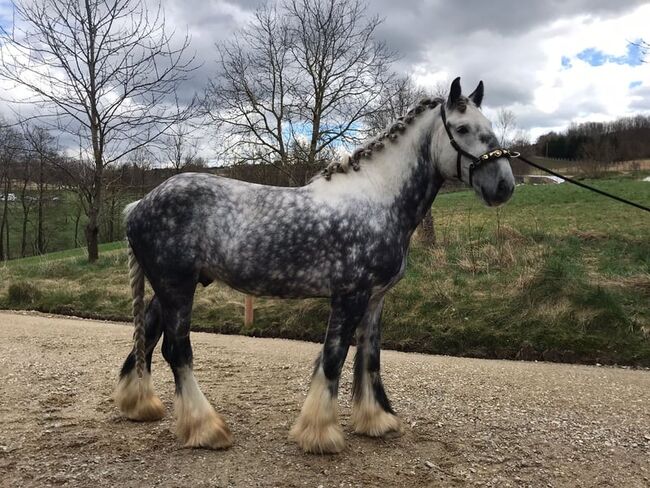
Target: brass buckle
{"type": "Point", "coordinates": [497, 153]}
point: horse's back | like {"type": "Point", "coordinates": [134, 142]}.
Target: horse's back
{"type": "Point", "coordinates": [225, 229]}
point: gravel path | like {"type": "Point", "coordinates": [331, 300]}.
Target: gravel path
{"type": "Point", "coordinates": [468, 422]}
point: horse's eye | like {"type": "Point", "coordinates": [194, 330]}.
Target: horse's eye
{"type": "Point", "coordinates": [462, 129]}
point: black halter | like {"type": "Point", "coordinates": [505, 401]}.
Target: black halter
{"type": "Point", "coordinates": [475, 161]}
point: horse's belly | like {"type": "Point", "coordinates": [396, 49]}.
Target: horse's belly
{"type": "Point", "coordinates": [260, 279]}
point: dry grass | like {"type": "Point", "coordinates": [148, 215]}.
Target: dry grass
{"type": "Point", "coordinates": [639, 282]}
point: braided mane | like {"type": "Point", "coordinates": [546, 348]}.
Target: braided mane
{"type": "Point", "coordinates": [391, 133]}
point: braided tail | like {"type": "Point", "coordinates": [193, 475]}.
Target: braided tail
{"type": "Point", "coordinates": [136, 278]}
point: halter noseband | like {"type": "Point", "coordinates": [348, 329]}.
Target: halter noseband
{"type": "Point", "coordinates": [475, 161]}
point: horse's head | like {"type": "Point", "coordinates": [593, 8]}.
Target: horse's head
{"type": "Point", "coordinates": [466, 148]}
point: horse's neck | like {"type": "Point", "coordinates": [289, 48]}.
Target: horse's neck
{"type": "Point", "coordinates": [401, 178]}
{"type": "Point", "coordinates": [422, 180]}
{"type": "Point", "coordinates": [420, 188]}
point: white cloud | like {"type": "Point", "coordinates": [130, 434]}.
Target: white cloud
{"type": "Point", "coordinates": [525, 72]}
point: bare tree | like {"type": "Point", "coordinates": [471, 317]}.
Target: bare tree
{"type": "Point", "coordinates": [347, 69]}
{"type": "Point", "coordinates": [400, 94]}
{"type": "Point", "coordinates": [506, 124]}
{"type": "Point", "coordinates": [11, 149]}
{"type": "Point", "coordinates": [299, 80]}
{"type": "Point", "coordinates": [24, 174]}
{"type": "Point", "coordinates": [99, 69]}
{"type": "Point", "coordinates": [250, 101]}
{"type": "Point", "coordinates": [42, 148]}
{"type": "Point", "coordinates": [179, 147]}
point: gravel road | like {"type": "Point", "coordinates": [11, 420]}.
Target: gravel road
{"type": "Point", "coordinates": [468, 422]}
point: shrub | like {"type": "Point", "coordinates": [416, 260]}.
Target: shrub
{"type": "Point", "coordinates": [23, 294]}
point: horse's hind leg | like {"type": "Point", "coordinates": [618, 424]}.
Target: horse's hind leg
{"type": "Point", "coordinates": [197, 423]}
{"type": "Point", "coordinates": [135, 396]}
{"type": "Point", "coordinates": [317, 430]}
{"type": "Point", "coordinates": [372, 414]}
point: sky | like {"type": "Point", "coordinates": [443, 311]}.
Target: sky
{"type": "Point", "coordinates": [552, 62]}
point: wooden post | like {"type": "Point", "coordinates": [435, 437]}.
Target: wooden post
{"type": "Point", "coordinates": [248, 310]}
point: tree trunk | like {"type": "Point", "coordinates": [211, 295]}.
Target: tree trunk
{"type": "Point", "coordinates": [4, 228]}
{"type": "Point", "coordinates": [111, 220]}
{"type": "Point", "coordinates": [143, 186]}
{"type": "Point", "coordinates": [94, 207]}
{"type": "Point", "coordinates": [23, 240]}
{"type": "Point", "coordinates": [315, 130]}
{"type": "Point", "coordinates": [427, 232]}
{"type": "Point", "coordinates": [4, 219]}
{"type": "Point", "coordinates": [92, 232]}
{"type": "Point", "coordinates": [40, 246]}
{"type": "Point", "coordinates": [95, 199]}
{"type": "Point", "coordinates": [76, 227]}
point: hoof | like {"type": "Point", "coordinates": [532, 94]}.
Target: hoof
{"type": "Point", "coordinates": [205, 429]}
{"type": "Point", "coordinates": [136, 399]}
{"type": "Point", "coordinates": [318, 439]}
{"type": "Point", "coordinates": [376, 422]}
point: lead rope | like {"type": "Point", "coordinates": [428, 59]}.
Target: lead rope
{"type": "Point", "coordinates": [582, 185]}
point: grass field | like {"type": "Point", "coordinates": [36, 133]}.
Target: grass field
{"type": "Point", "coordinates": [559, 274]}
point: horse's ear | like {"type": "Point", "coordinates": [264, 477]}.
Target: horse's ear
{"type": "Point", "coordinates": [477, 95]}
{"type": "Point", "coordinates": [454, 93]}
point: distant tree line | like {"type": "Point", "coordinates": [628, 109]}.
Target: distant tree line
{"type": "Point", "coordinates": [624, 139]}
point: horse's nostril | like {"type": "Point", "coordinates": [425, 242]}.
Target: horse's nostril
{"type": "Point", "coordinates": [504, 190]}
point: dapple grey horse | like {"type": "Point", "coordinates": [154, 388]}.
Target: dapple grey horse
{"type": "Point", "coordinates": [345, 236]}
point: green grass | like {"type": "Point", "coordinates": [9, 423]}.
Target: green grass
{"type": "Point", "coordinates": [60, 255]}
{"type": "Point", "coordinates": [560, 270]}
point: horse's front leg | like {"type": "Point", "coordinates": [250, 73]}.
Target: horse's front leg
{"type": "Point", "coordinates": [317, 430]}
{"type": "Point", "coordinates": [372, 413]}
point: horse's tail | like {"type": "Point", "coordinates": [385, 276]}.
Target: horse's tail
{"type": "Point", "coordinates": [136, 280]}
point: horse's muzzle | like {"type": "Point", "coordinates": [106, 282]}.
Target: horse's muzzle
{"type": "Point", "coordinates": [501, 194]}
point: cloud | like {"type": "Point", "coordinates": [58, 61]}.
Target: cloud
{"type": "Point", "coordinates": [428, 25]}
{"type": "Point", "coordinates": [640, 98]}
{"type": "Point", "coordinates": [527, 54]}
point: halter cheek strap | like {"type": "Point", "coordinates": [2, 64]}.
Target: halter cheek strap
{"type": "Point", "coordinates": [475, 161]}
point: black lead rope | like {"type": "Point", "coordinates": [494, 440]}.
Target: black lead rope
{"type": "Point", "coordinates": [583, 185]}
{"type": "Point", "coordinates": [505, 153]}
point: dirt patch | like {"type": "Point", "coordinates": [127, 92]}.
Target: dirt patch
{"type": "Point", "coordinates": [468, 422]}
